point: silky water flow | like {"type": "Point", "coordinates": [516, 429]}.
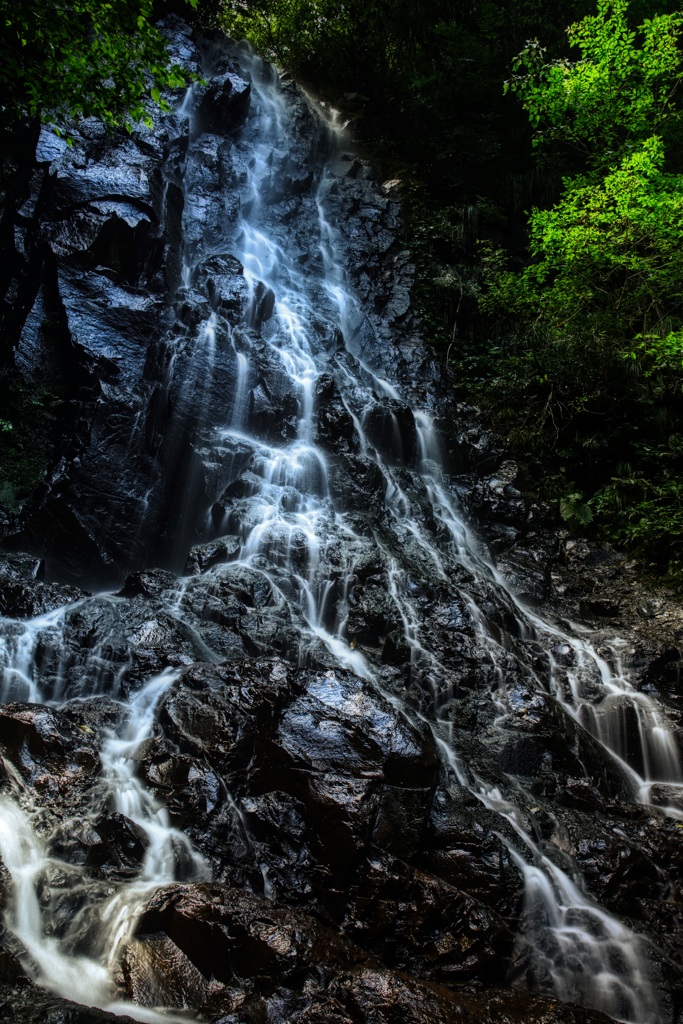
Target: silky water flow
{"type": "Point", "coordinates": [287, 520]}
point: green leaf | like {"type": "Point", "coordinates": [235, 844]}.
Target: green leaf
{"type": "Point", "coordinates": [81, 58]}
{"type": "Point", "coordinates": [574, 511]}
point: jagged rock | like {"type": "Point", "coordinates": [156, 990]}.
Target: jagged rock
{"type": "Point", "coordinates": [157, 973]}
{"type": "Point", "coordinates": [281, 957]}
{"type": "Point", "coordinates": [23, 592]}
{"type": "Point", "coordinates": [51, 753]}
{"type": "Point", "coordinates": [215, 552]}
{"type": "Point", "coordinates": [335, 426]}
{"type": "Point", "coordinates": [31, 1006]}
{"type": "Point", "coordinates": [596, 608]}
{"type": "Point", "coordinates": [224, 104]}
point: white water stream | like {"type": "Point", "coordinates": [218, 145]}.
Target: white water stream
{"type": "Point", "coordinates": [588, 956]}
{"type": "Point", "coordinates": [50, 959]}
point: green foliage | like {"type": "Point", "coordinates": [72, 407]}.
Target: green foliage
{"type": "Point", "coordinates": [645, 510]}
{"type": "Point", "coordinates": [621, 92]}
{"type": "Point", "coordinates": [573, 510]}
{"type": "Point", "coordinates": [82, 58]}
{"type": "Point", "coordinates": [608, 257]}
{"type": "Point", "coordinates": [590, 332]}
{"type": "Point", "coordinates": [609, 261]}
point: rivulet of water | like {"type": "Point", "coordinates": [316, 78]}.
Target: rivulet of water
{"type": "Point", "coordinates": [286, 522]}
{"type": "Point", "coordinates": [113, 909]}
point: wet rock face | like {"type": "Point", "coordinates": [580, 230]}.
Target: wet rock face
{"type": "Point", "coordinates": [323, 775]}
{"type": "Point", "coordinates": [107, 227]}
{"type": "Point", "coordinates": [23, 592]}
{"type": "Point", "coordinates": [312, 786]}
{"type": "Point", "coordinates": [102, 246]}
{"type": "Point", "coordinates": [224, 105]}
{"type": "Point", "coordinates": [286, 960]}
{"type": "Point", "coordinates": [339, 799]}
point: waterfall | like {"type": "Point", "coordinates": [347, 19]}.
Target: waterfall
{"type": "Point", "coordinates": [289, 528]}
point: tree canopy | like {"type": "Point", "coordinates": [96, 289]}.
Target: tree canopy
{"type": "Point", "coordinates": [621, 91]}
{"type": "Point", "coordinates": [598, 310]}
{"type": "Point", "coordinates": [608, 257]}
{"type": "Point", "coordinates": [81, 58]}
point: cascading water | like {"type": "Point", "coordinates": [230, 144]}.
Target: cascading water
{"type": "Point", "coordinates": [56, 961]}
{"type": "Point", "coordinates": [288, 530]}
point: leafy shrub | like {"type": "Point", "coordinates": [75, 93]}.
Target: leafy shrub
{"type": "Point", "coordinates": [82, 58]}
